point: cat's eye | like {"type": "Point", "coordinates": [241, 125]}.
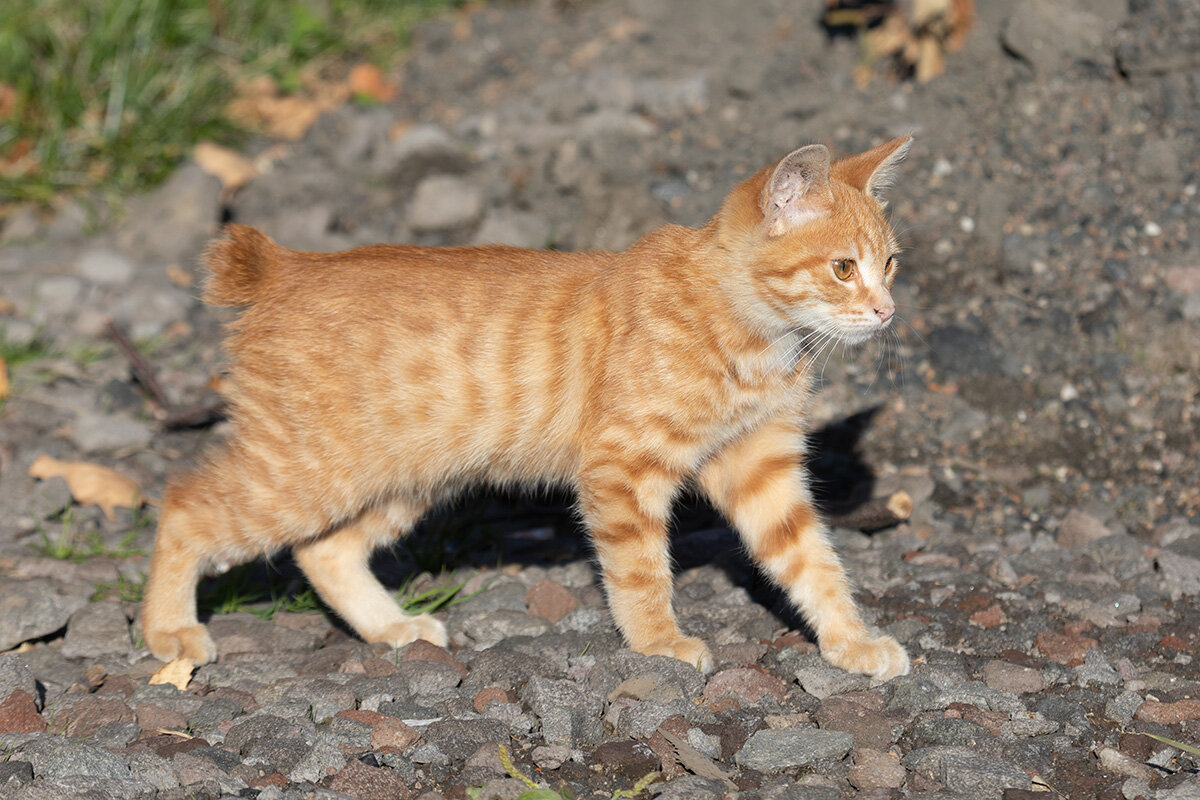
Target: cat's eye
{"type": "Point", "coordinates": [890, 265]}
{"type": "Point", "coordinates": [843, 268]}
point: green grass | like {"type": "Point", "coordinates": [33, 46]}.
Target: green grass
{"type": "Point", "coordinates": [111, 94]}
{"type": "Point", "coordinates": [69, 545]}
{"type": "Point", "coordinates": [15, 353]}
{"type": "Point", "coordinates": [125, 589]}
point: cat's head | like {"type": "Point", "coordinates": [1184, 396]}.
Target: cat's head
{"type": "Point", "coordinates": [812, 244]}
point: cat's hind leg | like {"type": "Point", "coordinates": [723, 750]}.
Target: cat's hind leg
{"type": "Point", "coordinates": [625, 503]}
{"type": "Point", "coordinates": [338, 565]}
{"type": "Point", "coordinates": [760, 485]}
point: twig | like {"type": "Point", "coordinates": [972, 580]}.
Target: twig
{"type": "Point", "coordinates": [171, 416]}
{"type": "Point", "coordinates": [877, 513]}
{"type": "Point", "coordinates": [142, 371]}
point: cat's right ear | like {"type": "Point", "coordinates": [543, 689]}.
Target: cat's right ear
{"type": "Point", "coordinates": [797, 190]}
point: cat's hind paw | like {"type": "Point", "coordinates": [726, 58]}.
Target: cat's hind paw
{"type": "Point", "coordinates": [880, 657]}
{"type": "Point", "coordinates": [409, 629]}
{"type": "Point", "coordinates": [190, 642]}
{"type": "Point", "coordinates": [688, 649]}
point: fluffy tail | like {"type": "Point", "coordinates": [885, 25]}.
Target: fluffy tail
{"type": "Point", "coordinates": [239, 266]}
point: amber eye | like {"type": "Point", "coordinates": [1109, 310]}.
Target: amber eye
{"type": "Point", "coordinates": [843, 268]}
{"type": "Point", "coordinates": [890, 265]}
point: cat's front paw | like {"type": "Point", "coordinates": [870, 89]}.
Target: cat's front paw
{"type": "Point", "coordinates": [689, 649]}
{"type": "Point", "coordinates": [881, 657]}
{"type": "Point", "coordinates": [191, 642]}
{"type": "Point", "coordinates": [421, 626]}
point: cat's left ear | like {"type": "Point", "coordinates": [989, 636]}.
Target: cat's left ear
{"type": "Point", "coordinates": [797, 190]}
{"type": "Point", "coordinates": [874, 171]}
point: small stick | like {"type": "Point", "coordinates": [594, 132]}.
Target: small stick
{"type": "Point", "coordinates": [194, 416]}
{"type": "Point", "coordinates": [142, 371]}
{"type": "Point", "coordinates": [876, 513]}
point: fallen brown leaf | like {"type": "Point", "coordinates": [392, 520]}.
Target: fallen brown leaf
{"type": "Point", "coordinates": [367, 80]}
{"type": "Point", "coordinates": [90, 484]}
{"type": "Point", "coordinates": [233, 169]}
{"type": "Point", "coordinates": [3, 379]}
{"type": "Point", "coordinates": [259, 105]}
{"type": "Point", "coordinates": [178, 673]}
{"type": "Point", "coordinates": [180, 276]}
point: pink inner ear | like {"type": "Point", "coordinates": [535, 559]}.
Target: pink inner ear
{"type": "Point", "coordinates": [797, 190]}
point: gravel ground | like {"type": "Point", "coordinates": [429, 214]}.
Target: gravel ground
{"type": "Point", "coordinates": [1039, 406]}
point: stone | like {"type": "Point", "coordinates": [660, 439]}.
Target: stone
{"type": "Point", "coordinates": [91, 712]}
{"type": "Point", "coordinates": [778, 750]}
{"type": "Point", "coordinates": [550, 600]}
{"type": "Point", "coordinates": [390, 734]}
{"type": "Point", "coordinates": [170, 224]}
{"type": "Point", "coordinates": [31, 609]}
{"type": "Point", "coordinates": [368, 783]}
{"type": "Point", "coordinates": [961, 769]}
{"type": "Point", "coordinates": [104, 267]}
{"type": "Point", "coordinates": [1189, 789]}
{"type": "Point", "coordinates": [443, 203]}
{"type": "Point", "coordinates": [1180, 574]}
{"type": "Point", "coordinates": [1095, 669]}
{"type": "Point", "coordinates": [421, 650]}
{"type": "Point", "coordinates": [1053, 36]}
{"type": "Point", "coordinates": [1078, 529]}
{"type": "Point", "coordinates": [1064, 648]}
{"type": "Point", "coordinates": [747, 685]}
{"type": "Point", "coordinates": [95, 432]}
{"type": "Point", "coordinates": [1113, 760]}
{"type": "Point", "coordinates": [488, 695]}
{"type": "Point", "coordinates": [1122, 707]}
{"type": "Point", "coordinates": [55, 757]}
{"type": "Point", "coordinates": [875, 768]}
{"type": "Point", "coordinates": [1168, 713]}
{"type": "Point", "coordinates": [551, 756]}
{"type": "Point", "coordinates": [500, 789]}
{"type": "Point", "coordinates": [859, 717]}
{"type": "Point", "coordinates": [1013, 678]}
{"type": "Point", "coordinates": [821, 679]}
{"type": "Point", "coordinates": [97, 630]}
{"type": "Point", "coordinates": [631, 759]}
{"type": "Point", "coordinates": [516, 229]}
{"type": "Point", "coordinates": [569, 712]}
{"type": "Point", "coordinates": [15, 770]}
{"type": "Point", "coordinates": [19, 714]}
{"type": "Point", "coordinates": [459, 739]}
{"type": "Point", "coordinates": [494, 626]}
{"type": "Point", "coordinates": [420, 151]}
{"type": "Point", "coordinates": [16, 676]}
{"type": "Point", "coordinates": [690, 787]}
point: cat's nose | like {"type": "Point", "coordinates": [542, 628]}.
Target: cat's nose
{"type": "Point", "coordinates": [884, 311]}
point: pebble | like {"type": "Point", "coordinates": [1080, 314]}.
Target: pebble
{"type": "Point", "coordinates": [443, 203]}
{"type": "Point", "coordinates": [30, 609]}
{"type": "Point", "coordinates": [94, 432]}
{"type": "Point", "coordinates": [777, 750]}
{"type": "Point", "coordinates": [1012, 677]}
{"type": "Point", "coordinates": [1079, 528]}
{"type": "Point", "coordinates": [104, 267]}
{"type": "Point", "coordinates": [876, 769]}
{"type": "Point", "coordinates": [97, 630]}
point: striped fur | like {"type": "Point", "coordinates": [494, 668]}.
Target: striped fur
{"type": "Point", "coordinates": [368, 385]}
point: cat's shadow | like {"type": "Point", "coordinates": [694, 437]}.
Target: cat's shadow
{"type": "Point", "coordinates": [490, 528]}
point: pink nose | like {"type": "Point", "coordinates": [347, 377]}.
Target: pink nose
{"type": "Point", "coordinates": [885, 311]}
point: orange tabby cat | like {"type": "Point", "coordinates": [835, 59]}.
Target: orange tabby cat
{"type": "Point", "coordinates": [371, 384]}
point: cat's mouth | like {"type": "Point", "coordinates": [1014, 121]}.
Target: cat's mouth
{"type": "Point", "coordinates": [858, 331]}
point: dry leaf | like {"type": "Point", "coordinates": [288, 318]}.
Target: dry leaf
{"type": "Point", "coordinates": [3, 379]}
{"type": "Point", "coordinates": [233, 169]}
{"type": "Point", "coordinates": [366, 80]}
{"type": "Point", "coordinates": [180, 276]}
{"type": "Point", "coordinates": [177, 673]}
{"type": "Point", "coordinates": [259, 105]}
{"type": "Point", "coordinates": [90, 484]}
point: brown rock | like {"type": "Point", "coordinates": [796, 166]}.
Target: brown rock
{"type": "Point", "coordinates": [357, 779]}
{"type": "Point", "coordinates": [550, 600]}
{"type": "Point", "coordinates": [858, 715]}
{"type": "Point", "coordinates": [378, 667]}
{"type": "Point", "coordinates": [392, 736]}
{"type": "Point", "coordinates": [421, 650]}
{"type": "Point", "coordinates": [632, 759]}
{"type": "Point", "coordinates": [91, 711]}
{"type": "Point", "coordinates": [19, 714]}
{"type": "Point", "coordinates": [371, 718]}
{"type": "Point", "coordinates": [875, 768]}
{"type": "Point", "coordinates": [1012, 677]}
{"type": "Point", "coordinates": [1168, 713]}
{"type": "Point", "coordinates": [1064, 648]}
{"type": "Point", "coordinates": [990, 617]}
{"type": "Point", "coordinates": [1078, 529]}
{"type": "Point", "coordinates": [747, 685]}
{"type": "Point", "coordinates": [157, 718]}
{"type": "Point", "coordinates": [490, 694]}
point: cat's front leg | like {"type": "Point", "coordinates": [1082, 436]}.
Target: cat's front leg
{"type": "Point", "coordinates": [760, 484]}
{"type": "Point", "coordinates": [625, 503]}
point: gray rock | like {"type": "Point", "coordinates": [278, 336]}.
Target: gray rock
{"type": "Point", "coordinates": [96, 630]}
{"type": "Point", "coordinates": [821, 679]}
{"type": "Point", "coordinates": [428, 677]}
{"type": "Point", "coordinates": [1052, 36]}
{"type": "Point", "coordinates": [16, 676]}
{"type": "Point", "coordinates": [459, 739]}
{"type": "Point", "coordinates": [94, 432]}
{"type": "Point", "coordinates": [506, 669]}
{"type": "Point", "coordinates": [171, 223]}
{"type": "Point", "coordinates": [1079, 528]}
{"type": "Point", "coordinates": [875, 768]}
{"type": "Point", "coordinates": [15, 770]}
{"type": "Point", "coordinates": [914, 693]}
{"type": "Point", "coordinates": [58, 296]}
{"type": "Point", "coordinates": [153, 769]}
{"type": "Point", "coordinates": [148, 308]}
{"type": "Point", "coordinates": [689, 787]}
{"type": "Point", "coordinates": [443, 203]}
{"type": "Point", "coordinates": [777, 750]}
{"type": "Point", "coordinates": [1188, 790]}
{"type": "Point", "coordinates": [500, 594]}
{"type": "Point", "coordinates": [1122, 707]}
{"type": "Point", "coordinates": [1180, 574]}
{"type": "Point", "coordinates": [104, 267]}
{"type": "Point", "coordinates": [322, 759]}
{"type": "Point", "coordinates": [1095, 669]}
{"type": "Point", "coordinates": [115, 734]}
{"type": "Point", "coordinates": [493, 626]}
{"type": "Point", "coordinates": [515, 228]}
{"type": "Point", "coordinates": [420, 151]}
{"type": "Point", "coordinates": [54, 757]}
{"type": "Point", "coordinates": [569, 711]}
{"type": "Point", "coordinates": [30, 609]}
{"type": "Point", "coordinates": [960, 769]}
{"type": "Point", "coordinates": [1013, 678]}
{"type": "Point", "coordinates": [84, 786]}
